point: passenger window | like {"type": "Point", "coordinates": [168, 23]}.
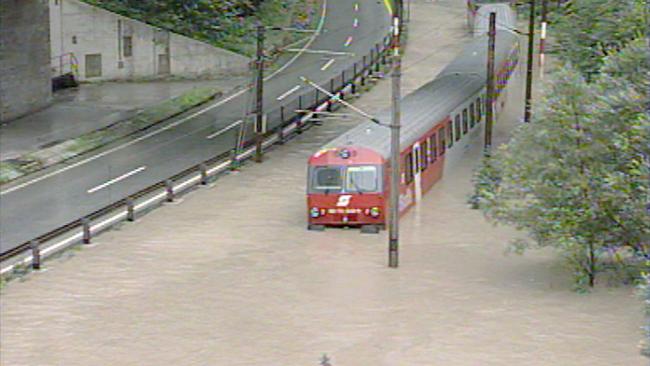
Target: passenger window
{"type": "Point", "coordinates": [450, 130]}
{"type": "Point", "coordinates": [457, 124]}
{"type": "Point", "coordinates": [465, 124]}
{"type": "Point", "coordinates": [408, 168]}
{"type": "Point", "coordinates": [472, 116]}
{"type": "Point", "coordinates": [433, 147]}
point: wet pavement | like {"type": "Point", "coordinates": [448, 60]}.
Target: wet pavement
{"type": "Point", "coordinates": [76, 111]}
{"type": "Point", "coordinates": [231, 276]}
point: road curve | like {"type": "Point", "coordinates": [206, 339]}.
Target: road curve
{"type": "Point", "coordinates": [64, 194]}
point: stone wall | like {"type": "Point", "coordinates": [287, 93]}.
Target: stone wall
{"type": "Point", "coordinates": [108, 46]}
{"type": "Point", "coordinates": [25, 74]}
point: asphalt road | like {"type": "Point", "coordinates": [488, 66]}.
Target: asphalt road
{"type": "Point", "coordinates": [59, 196]}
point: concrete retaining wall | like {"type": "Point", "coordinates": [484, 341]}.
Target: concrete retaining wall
{"type": "Point", "coordinates": [108, 46]}
{"type": "Point", "coordinates": [25, 84]}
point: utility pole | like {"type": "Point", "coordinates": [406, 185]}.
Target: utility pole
{"type": "Point", "coordinates": [489, 101]}
{"type": "Point", "coordinates": [529, 66]}
{"type": "Point", "coordinates": [542, 39]}
{"type": "Point", "coordinates": [393, 223]}
{"type": "Point", "coordinates": [260, 94]}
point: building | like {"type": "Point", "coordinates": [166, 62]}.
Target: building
{"type": "Point", "coordinates": [100, 45]}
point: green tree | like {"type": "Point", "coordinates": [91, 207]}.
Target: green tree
{"type": "Point", "coordinates": [585, 31]}
{"type": "Point", "coordinates": [578, 177]}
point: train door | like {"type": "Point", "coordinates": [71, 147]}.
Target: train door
{"type": "Point", "coordinates": [417, 177]}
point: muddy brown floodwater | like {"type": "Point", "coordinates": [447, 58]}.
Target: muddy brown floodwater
{"type": "Point", "coordinates": [230, 276]}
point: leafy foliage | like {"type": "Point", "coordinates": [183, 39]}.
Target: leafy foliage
{"type": "Point", "coordinates": [588, 30]}
{"type": "Point", "coordinates": [226, 24]}
{"type": "Point", "coordinates": [578, 177]}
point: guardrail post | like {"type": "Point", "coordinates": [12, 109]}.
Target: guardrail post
{"type": "Point", "coordinates": [317, 99]}
{"type": "Point", "coordinates": [342, 79]}
{"type": "Point", "coordinates": [234, 162]}
{"type": "Point", "coordinates": [130, 210]}
{"type": "Point", "coordinates": [36, 254]}
{"type": "Point", "coordinates": [169, 188]}
{"type": "Point", "coordinates": [329, 103]}
{"type": "Point", "coordinates": [281, 129]}
{"type": "Point", "coordinates": [204, 174]}
{"type": "Point", "coordinates": [86, 230]}
{"type": "Point", "coordinates": [372, 58]}
{"type": "Point", "coordinates": [354, 78]}
{"type": "Point", "coordinates": [364, 62]}
{"type": "Point", "coordinates": [363, 72]}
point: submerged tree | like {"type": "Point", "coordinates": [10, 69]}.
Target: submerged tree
{"type": "Point", "coordinates": [578, 177]}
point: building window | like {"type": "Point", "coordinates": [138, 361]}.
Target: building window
{"type": "Point", "coordinates": [443, 144]}
{"type": "Point", "coordinates": [450, 130]}
{"type": "Point", "coordinates": [74, 39]}
{"type": "Point", "coordinates": [127, 46]}
{"type": "Point", "coordinates": [457, 129]}
{"type": "Point", "coordinates": [478, 110]}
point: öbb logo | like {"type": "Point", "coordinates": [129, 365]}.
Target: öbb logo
{"type": "Point", "coordinates": [344, 200]}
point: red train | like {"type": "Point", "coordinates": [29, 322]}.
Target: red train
{"type": "Point", "coordinates": [348, 179]}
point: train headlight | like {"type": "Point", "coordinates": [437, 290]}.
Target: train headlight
{"type": "Point", "coordinates": [375, 211]}
{"type": "Point", "coordinates": [314, 212]}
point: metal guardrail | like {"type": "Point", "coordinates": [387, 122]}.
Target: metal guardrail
{"type": "Point", "coordinates": [65, 63]}
{"type": "Point", "coordinates": [282, 123]}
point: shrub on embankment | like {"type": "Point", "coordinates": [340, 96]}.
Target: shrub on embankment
{"type": "Point", "coordinates": [577, 178]}
{"type": "Point", "coordinates": [71, 148]}
{"type": "Point", "coordinates": [225, 24]}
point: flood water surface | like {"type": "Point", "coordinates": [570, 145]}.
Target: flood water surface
{"type": "Point", "coordinates": [231, 276]}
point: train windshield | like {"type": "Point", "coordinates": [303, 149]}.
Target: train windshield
{"type": "Point", "coordinates": [361, 179]}
{"type": "Point", "coordinates": [328, 178]}
{"type": "Point", "coordinates": [337, 179]}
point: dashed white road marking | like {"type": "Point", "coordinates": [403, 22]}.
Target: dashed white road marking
{"type": "Point", "coordinates": [115, 180]}
{"type": "Point", "coordinates": [348, 41]}
{"type": "Point", "coordinates": [355, 24]}
{"type": "Point", "coordinates": [356, 6]}
{"type": "Point", "coordinates": [288, 92]}
{"type": "Point", "coordinates": [213, 135]}
{"type": "Point", "coordinates": [328, 64]}
{"type": "Point", "coordinates": [300, 51]}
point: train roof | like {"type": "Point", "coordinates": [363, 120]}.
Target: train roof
{"type": "Point", "coordinates": [506, 18]}
{"type": "Point", "coordinates": [432, 102]}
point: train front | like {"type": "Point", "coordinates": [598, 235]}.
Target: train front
{"type": "Point", "coordinates": [345, 187]}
